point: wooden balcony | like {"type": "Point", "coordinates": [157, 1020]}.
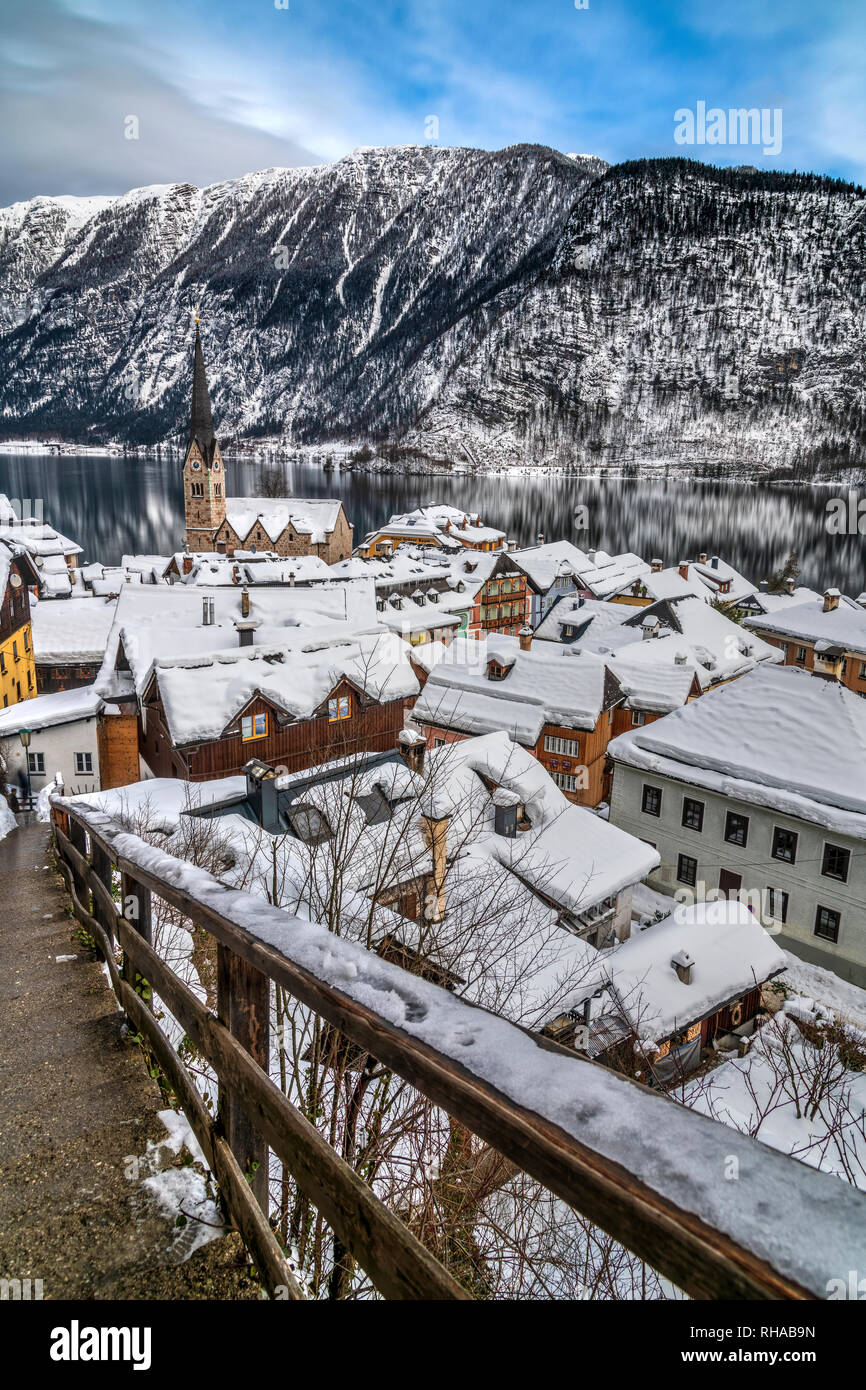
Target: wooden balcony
{"type": "Point", "coordinates": [654, 1175]}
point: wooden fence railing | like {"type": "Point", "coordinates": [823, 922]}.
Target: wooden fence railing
{"type": "Point", "coordinates": [719, 1214]}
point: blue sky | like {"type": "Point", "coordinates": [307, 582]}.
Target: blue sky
{"type": "Point", "coordinates": [219, 87]}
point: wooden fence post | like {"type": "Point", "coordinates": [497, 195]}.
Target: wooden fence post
{"type": "Point", "coordinates": [78, 838]}
{"type": "Point", "coordinates": [135, 908]}
{"type": "Point", "coordinates": [100, 863]}
{"type": "Point", "coordinates": [243, 1002]}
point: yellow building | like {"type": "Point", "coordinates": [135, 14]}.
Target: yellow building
{"type": "Point", "coordinates": [17, 665]}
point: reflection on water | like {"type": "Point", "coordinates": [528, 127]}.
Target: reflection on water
{"type": "Point", "coordinates": [115, 505]}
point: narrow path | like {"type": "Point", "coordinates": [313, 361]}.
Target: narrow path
{"type": "Point", "coordinates": [76, 1105]}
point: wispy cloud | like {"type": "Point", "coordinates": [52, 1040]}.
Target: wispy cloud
{"type": "Point", "coordinates": [220, 88]}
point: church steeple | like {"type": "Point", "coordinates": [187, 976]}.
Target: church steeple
{"type": "Point", "coordinates": [203, 483]}
{"type": "Point", "coordinates": [201, 420]}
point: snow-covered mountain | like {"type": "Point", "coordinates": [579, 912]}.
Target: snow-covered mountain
{"type": "Point", "coordinates": [493, 307]}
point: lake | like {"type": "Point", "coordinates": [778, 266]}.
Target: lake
{"type": "Point", "coordinates": [115, 505]}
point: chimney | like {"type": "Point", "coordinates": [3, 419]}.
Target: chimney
{"type": "Point", "coordinates": [435, 829]}
{"type": "Point", "coordinates": [187, 563]}
{"type": "Point", "coordinates": [680, 658]}
{"type": "Point", "coordinates": [714, 563]}
{"type": "Point", "coordinates": [245, 602]}
{"type": "Point", "coordinates": [650, 628]}
{"type": "Point", "coordinates": [703, 558]}
{"type": "Point", "coordinates": [590, 555]}
{"type": "Point", "coordinates": [291, 579]}
{"type": "Point", "coordinates": [221, 547]}
{"type": "Point", "coordinates": [524, 637]}
{"type": "Point", "coordinates": [762, 587]}
{"type": "Point", "coordinates": [539, 539]}
{"type": "Point", "coordinates": [207, 615]}
{"type": "Point", "coordinates": [262, 795]}
{"type": "Point", "coordinates": [684, 569]}
{"type": "Point", "coordinates": [657, 565]}
{"type": "Point", "coordinates": [789, 586]}
{"type": "Point", "coordinates": [682, 963]}
{"type": "Point", "coordinates": [236, 575]}
{"type": "Point", "coordinates": [245, 632]}
{"type": "Point", "coordinates": [831, 600]}
{"type": "Point", "coordinates": [505, 804]}
{"type": "Point", "coordinates": [412, 746]}
{"type": "Point", "coordinates": [230, 551]}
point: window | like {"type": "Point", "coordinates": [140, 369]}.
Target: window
{"type": "Point", "coordinates": [26, 642]}
{"type": "Point", "coordinates": [495, 672]}
{"type": "Point", "coordinates": [217, 489]}
{"type": "Point", "coordinates": [566, 781]}
{"type": "Point", "coordinates": [36, 762]}
{"type": "Point", "coordinates": [827, 923]}
{"type": "Point", "coordinates": [197, 489]}
{"type": "Point", "coordinates": [652, 801]}
{"type": "Point", "coordinates": [638, 718]}
{"type": "Point", "coordinates": [784, 845]}
{"type": "Point", "coordinates": [800, 656]}
{"type": "Point", "coordinates": [861, 675]}
{"type": "Point", "coordinates": [2, 661]}
{"type": "Point", "coordinates": [835, 863]}
{"type": "Point", "coordinates": [569, 747]}
{"type": "Point", "coordinates": [693, 814]}
{"type": "Point", "coordinates": [776, 904]}
{"type": "Point", "coordinates": [736, 829]}
{"type": "Point", "coordinates": [254, 726]}
{"type": "Point", "coordinates": [83, 762]}
{"type": "Point", "coordinates": [15, 656]}
{"type": "Point", "coordinates": [687, 869]}
{"type": "Point", "coordinates": [340, 708]}
{"type": "Point", "coordinates": [438, 743]}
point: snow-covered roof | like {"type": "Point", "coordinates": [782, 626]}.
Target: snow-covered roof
{"type": "Point", "coordinates": [44, 711]}
{"type": "Point", "coordinates": [165, 621]}
{"type": "Point", "coordinates": [844, 626]}
{"type": "Point", "coordinates": [731, 953]}
{"type": "Point", "coordinates": [202, 695]}
{"type": "Point", "coordinates": [73, 631]}
{"type": "Point", "coordinates": [313, 517]}
{"type": "Point", "coordinates": [549, 684]}
{"type": "Point", "coordinates": [777, 737]}
{"type": "Point", "coordinates": [542, 564]}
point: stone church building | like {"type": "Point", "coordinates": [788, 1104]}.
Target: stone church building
{"type": "Point", "coordinates": [286, 525]}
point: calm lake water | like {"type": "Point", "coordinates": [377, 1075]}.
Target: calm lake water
{"type": "Point", "coordinates": [117, 505]}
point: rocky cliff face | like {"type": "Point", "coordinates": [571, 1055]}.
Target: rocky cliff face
{"type": "Point", "coordinates": [485, 307]}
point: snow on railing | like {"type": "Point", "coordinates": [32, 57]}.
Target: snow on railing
{"type": "Point", "coordinates": [715, 1211]}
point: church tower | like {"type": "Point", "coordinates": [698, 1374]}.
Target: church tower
{"type": "Point", "coordinates": [204, 497]}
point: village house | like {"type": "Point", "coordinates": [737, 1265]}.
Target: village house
{"type": "Point", "coordinates": [166, 621]}
{"type": "Point", "coordinates": [293, 705]}
{"type": "Point", "coordinates": [433, 527]}
{"type": "Point", "coordinates": [17, 669]}
{"type": "Point", "coordinates": [69, 641]}
{"type": "Point", "coordinates": [556, 702]}
{"type": "Point", "coordinates": [63, 741]}
{"type": "Point", "coordinates": [425, 829]}
{"type": "Point", "coordinates": [54, 556]}
{"type": "Point", "coordinates": [660, 999]}
{"type": "Point", "coordinates": [825, 635]}
{"type": "Point", "coordinates": [759, 792]}
{"type": "Point", "coordinates": [288, 526]}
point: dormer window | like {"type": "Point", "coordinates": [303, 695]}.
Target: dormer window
{"type": "Point", "coordinates": [340, 708]}
{"type": "Point", "coordinates": [496, 671]}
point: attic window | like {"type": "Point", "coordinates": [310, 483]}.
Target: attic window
{"type": "Point", "coordinates": [309, 824]}
{"type": "Point", "coordinates": [254, 726]}
{"type": "Point", "coordinates": [340, 708]}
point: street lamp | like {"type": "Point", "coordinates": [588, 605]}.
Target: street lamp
{"type": "Point", "coordinates": [24, 735]}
